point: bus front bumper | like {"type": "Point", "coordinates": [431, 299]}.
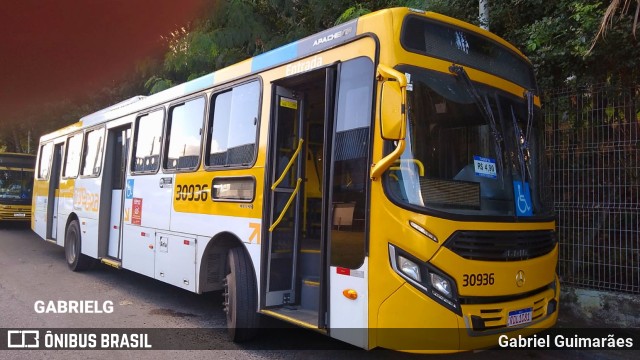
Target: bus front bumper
{"type": "Point", "coordinates": [412, 322]}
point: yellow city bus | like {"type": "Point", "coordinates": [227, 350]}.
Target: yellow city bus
{"type": "Point", "coordinates": [16, 185]}
{"type": "Point", "coordinates": [378, 182]}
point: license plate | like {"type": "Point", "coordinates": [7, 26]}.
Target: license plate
{"type": "Point", "coordinates": [19, 215]}
{"type": "Point", "coordinates": [518, 317]}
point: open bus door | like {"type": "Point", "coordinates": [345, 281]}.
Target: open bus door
{"type": "Point", "coordinates": [53, 194]}
{"type": "Point", "coordinates": [319, 176]}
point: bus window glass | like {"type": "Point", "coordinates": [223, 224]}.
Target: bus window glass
{"type": "Point", "coordinates": [234, 125]}
{"type": "Point", "coordinates": [45, 160]}
{"type": "Point", "coordinates": [184, 129]}
{"type": "Point", "coordinates": [72, 161]}
{"type": "Point", "coordinates": [350, 159]}
{"type": "Point", "coordinates": [92, 161]}
{"type": "Point", "coordinates": [147, 143]}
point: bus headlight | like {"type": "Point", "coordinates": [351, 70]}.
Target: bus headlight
{"type": "Point", "coordinates": [441, 284]}
{"type": "Point", "coordinates": [409, 268]}
{"type": "Point", "coordinates": [425, 277]}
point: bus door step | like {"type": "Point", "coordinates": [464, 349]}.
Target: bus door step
{"type": "Point", "coordinates": [113, 263]}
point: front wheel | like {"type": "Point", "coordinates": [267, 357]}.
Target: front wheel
{"type": "Point", "coordinates": [76, 260]}
{"type": "Point", "coordinates": [240, 297]}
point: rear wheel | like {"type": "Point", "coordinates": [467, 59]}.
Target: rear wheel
{"type": "Point", "coordinates": [240, 297]}
{"type": "Point", "coordinates": [76, 260]}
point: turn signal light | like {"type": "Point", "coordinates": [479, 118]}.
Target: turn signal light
{"type": "Point", "coordinates": [350, 294]}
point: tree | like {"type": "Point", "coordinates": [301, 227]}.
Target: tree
{"type": "Point", "coordinates": [613, 8]}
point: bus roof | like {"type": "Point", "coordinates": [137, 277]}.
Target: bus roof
{"type": "Point", "coordinates": [17, 160]}
{"type": "Point", "coordinates": [299, 49]}
{"type": "Point", "coordinates": [312, 44]}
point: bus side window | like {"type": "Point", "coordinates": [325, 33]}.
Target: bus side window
{"type": "Point", "coordinates": [146, 145]}
{"type": "Point", "coordinates": [234, 125]}
{"type": "Point", "coordinates": [92, 161]}
{"type": "Point", "coordinates": [72, 154]}
{"type": "Point", "coordinates": [44, 163]}
{"type": "Point", "coordinates": [184, 129]}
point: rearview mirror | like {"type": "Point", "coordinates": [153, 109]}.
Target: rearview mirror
{"type": "Point", "coordinates": [392, 111]}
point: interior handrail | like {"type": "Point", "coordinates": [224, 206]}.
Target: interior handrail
{"type": "Point", "coordinates": [286, 206]}
{"type": "Point", "coordinates": [286, 169]}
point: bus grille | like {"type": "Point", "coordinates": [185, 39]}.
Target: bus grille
{"type": "Point", "coordinates": [496, 317]}
{"type": "Point", "coordinates": [492, 313]}
{"type": "Point", "coordinates": [15, 213]}
{"type": "Point", "coordinates": [501, 245]}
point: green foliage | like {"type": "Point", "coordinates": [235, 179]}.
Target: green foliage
{"type": "Point", "coordinates": [352, 13]}
{"type": "Point", "coordinates": [156, 84]}
{"type": "Point", "coordinates": [555, 35]}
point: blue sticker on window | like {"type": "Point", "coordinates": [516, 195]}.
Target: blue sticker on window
{"type": "Point", "coordinates": [522, 198]}
{"type": "Point", "coordinates": [128, 192]}
{"type": "Point", "coordinates": [485, 167]}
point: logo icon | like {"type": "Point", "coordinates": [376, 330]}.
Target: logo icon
{"type": "Point", "coordinates": [23, 339]}
{"type": "Point", "coordinates": [128, 192]}
{"type": "Point", "coordinates": [520, 278]}
{"type": "Point", "coordinates": [522, 197]}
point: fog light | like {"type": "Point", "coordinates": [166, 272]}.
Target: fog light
{"type": "Point", "coordinates": [409, 268]}
{"type": "Point", "coordinates": [441, 284]}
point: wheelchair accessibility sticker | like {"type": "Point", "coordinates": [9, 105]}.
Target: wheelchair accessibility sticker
{"type": "Point", "coordinates": [128, 193]}
{"type": "Point", "coordinates": [522, 197]}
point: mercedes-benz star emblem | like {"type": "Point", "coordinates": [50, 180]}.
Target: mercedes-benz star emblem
{"type": "Point", "coordinates": [520, 278]}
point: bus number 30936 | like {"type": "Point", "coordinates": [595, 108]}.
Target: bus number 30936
{"type": "Point", "coordinates": [480, 279]}
{"type": "Point", "coordinates": [193, 192]}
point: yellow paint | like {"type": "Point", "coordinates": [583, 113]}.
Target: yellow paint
{"type": "Point", "coordinates": [293, 320]}
{"type": "Point", "coordinates": [127, 215]}
{"type": "Point", "coordinates": [289, 103]}
{"type": "Point", "coordinates": [85, 200]}
{"type": "Point", "coordinates": [112, 263]}
{"type": "Point", "coordinates": [255, 234]}
{"type": "Point", "coordinates": [67, 187]}
{"type": "Point", "coordinates": [200, 202]}
{"type": "Point", "coordinates": [64, 131]}
{"type": "Point", "coordinates": [392, 303]}
{"type": "Point", "coordinates": [233, 71]}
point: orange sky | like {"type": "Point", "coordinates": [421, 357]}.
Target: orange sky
{"type": "Point", "coordinates": [53, 49]}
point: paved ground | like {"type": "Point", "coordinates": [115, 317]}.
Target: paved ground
{"type": "Point", "coordinates": [32, 270]}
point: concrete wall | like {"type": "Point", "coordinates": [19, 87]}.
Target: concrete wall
{"type": "Point", "coordinates": [594, 308]}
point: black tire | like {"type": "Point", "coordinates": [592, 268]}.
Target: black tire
{"type": "Point", "coordinates": [76, 260]}
{"type": "Point", "coordinates": [240, 297]}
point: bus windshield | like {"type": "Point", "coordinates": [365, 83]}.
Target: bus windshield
{"type": "Point", "coordinates": [16, 186]}
{"type": "Point", "coordinates": [471, 150]}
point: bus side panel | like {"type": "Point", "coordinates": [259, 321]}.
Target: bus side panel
{"type": "Point", "coordinates": [89, 234]}
{"type": "Point", "coordinates": [147, 204]}
{"type": "Point", "coordinates": [138, 249]}
{"type": "Point", "coordinates": [247, 230]}
{"type": "Point", "coordinates": [40, 212]}
{"type": "Point", "coordinates": [148, 200]}
{"type": "Point", "coordinates": [86, 204]}
{"type": "Point", "coordinates": [348, 317]}
{"type": "Point", "coordinates": [175, 260]}
{"type": "Point", "coordinates": [65, 207]}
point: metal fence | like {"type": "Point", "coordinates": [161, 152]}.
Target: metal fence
{"type": "Point", "coordinates": [592, 139]}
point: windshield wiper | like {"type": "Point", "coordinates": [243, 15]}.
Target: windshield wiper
{"type": "Point", "coordinates": [485, 110]}
{"type": "Point", "coordinates": [522, 138]}
{"type": "Point", "coordinates": [528, 95]}
{"type": "Point", "coordinates": [521, 145]}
